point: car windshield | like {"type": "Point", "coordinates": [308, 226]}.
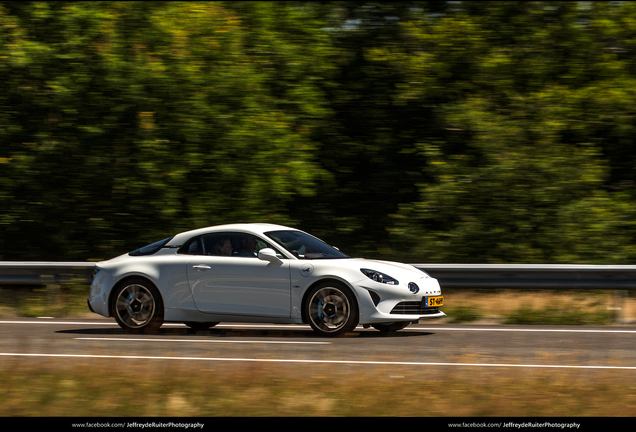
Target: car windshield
{"type": "Point", "coordinates": [304, 246]}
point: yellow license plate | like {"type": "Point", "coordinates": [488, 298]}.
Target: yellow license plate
{"type": "Point", "coordinates": [434, 301]}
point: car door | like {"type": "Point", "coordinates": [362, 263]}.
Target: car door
{"type": "Point", "coordinates": [240, 283]}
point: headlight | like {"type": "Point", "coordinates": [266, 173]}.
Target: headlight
{"type": "Point", "coordinates": [379, 277]}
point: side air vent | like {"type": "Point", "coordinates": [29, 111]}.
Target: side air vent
{"type": "Point", "coordinates": [375, 297]}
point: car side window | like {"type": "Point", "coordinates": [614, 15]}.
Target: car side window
{"type": "Point", "coordinates": [195, 247]}
{"type": "Point", "coordinates": [230, 244]}
{"type": "Point", "coordinates": [192, 247]}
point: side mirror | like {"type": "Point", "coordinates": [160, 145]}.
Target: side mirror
{"type": "Point", "coordinates": [268, 254]}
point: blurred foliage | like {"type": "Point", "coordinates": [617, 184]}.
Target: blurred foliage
{"type": "Point", "coordinates": [527, 315]}
{"type": "Point", "coordinates": [463, 314]}
{"type": "Point", "coordinates": [423, 131]}
{"type": "Point", "coordinates": [111, 388]}
{"type": "Point", "coordinates": [58, 300]}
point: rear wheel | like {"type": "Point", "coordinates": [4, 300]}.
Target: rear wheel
{"type": "Point", "coordinates": [331, 309]}
{"type": "Point", "coordinates": [137, 306]}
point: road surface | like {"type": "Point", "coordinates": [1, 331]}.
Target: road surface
{"type": "Point", "coordinates": [423, 345]}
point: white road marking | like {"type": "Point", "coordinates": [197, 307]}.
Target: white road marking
{"type": "Point", "coordinates": [112, 323]}
{"type": "Point", "coordinates": [348, 362]}
{"type": "Point", "coordinates": [532, 330]}
{"type": "Point", "coordinates": [305, 327]}
{"type": "Point", "coordinates": [201, 341]}
{"type": "Point", "coordinates": [58, 322]}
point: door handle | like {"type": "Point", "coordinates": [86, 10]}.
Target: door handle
{"type": "Point", "coordinates": [202, 267]}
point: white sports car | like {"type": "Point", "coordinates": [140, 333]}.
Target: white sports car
{"type": "Point", "coordinates": [259, 273]}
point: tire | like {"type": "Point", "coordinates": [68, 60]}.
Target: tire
{"type": "Point", "coordinates": [196, 326]}
{"type": "Point", "coordinates": [137, 306]}
{"type": "Point", "coordinates": [331, 309]}
{"type": "Point", "coordinates": [390, 327]}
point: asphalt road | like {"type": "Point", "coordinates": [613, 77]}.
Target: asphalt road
{"type": "Point", "coordinates": [57, 341]}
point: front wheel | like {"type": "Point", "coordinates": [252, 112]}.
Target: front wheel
{"type": "Point", "coordinates": [331, 309]}
{"type": "Point", "coordinates": [137, 306]}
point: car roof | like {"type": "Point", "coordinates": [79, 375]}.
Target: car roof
{"type": "Point", "coordinates": [254, 228]}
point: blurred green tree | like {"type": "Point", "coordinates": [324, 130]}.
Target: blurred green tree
{"type": "Point", "coordinates": [419, 131]}
{"type": "Point", "coordinates": [529, 99]}
{"type": "Point", "coordinates": [123, 122]}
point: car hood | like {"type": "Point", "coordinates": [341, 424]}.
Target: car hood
{"type": "Point", "coordinates": [393, 269]}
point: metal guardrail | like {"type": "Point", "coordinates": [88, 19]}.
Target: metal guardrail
{"type": "Point", "coordinates": [514, 276]}
{"type": "Point", "coordinates": [618, 278]}
{"type": "Point", "coordinates": [45, 273]}
{"type": "Point", "coordinates": [533, 276]}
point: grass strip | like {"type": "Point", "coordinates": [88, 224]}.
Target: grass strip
{"type": "Point", "coordinates": [102, 388]}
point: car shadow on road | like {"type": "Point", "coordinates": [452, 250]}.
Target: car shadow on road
{"type": "Point", "coordinates": [401, 333]}
{"type": "Point", "coordinates": [290, 333]}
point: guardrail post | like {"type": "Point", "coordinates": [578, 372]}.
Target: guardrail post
{"type": "Point", "coordinates": [618, 306]}
{"type": "Point", "coordinates": [53, 294]}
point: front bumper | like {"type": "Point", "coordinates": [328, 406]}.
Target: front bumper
{"type": "Point", "coordinates": [376, 309]}
{"type": "Point", "coordinates": [379, 317]}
